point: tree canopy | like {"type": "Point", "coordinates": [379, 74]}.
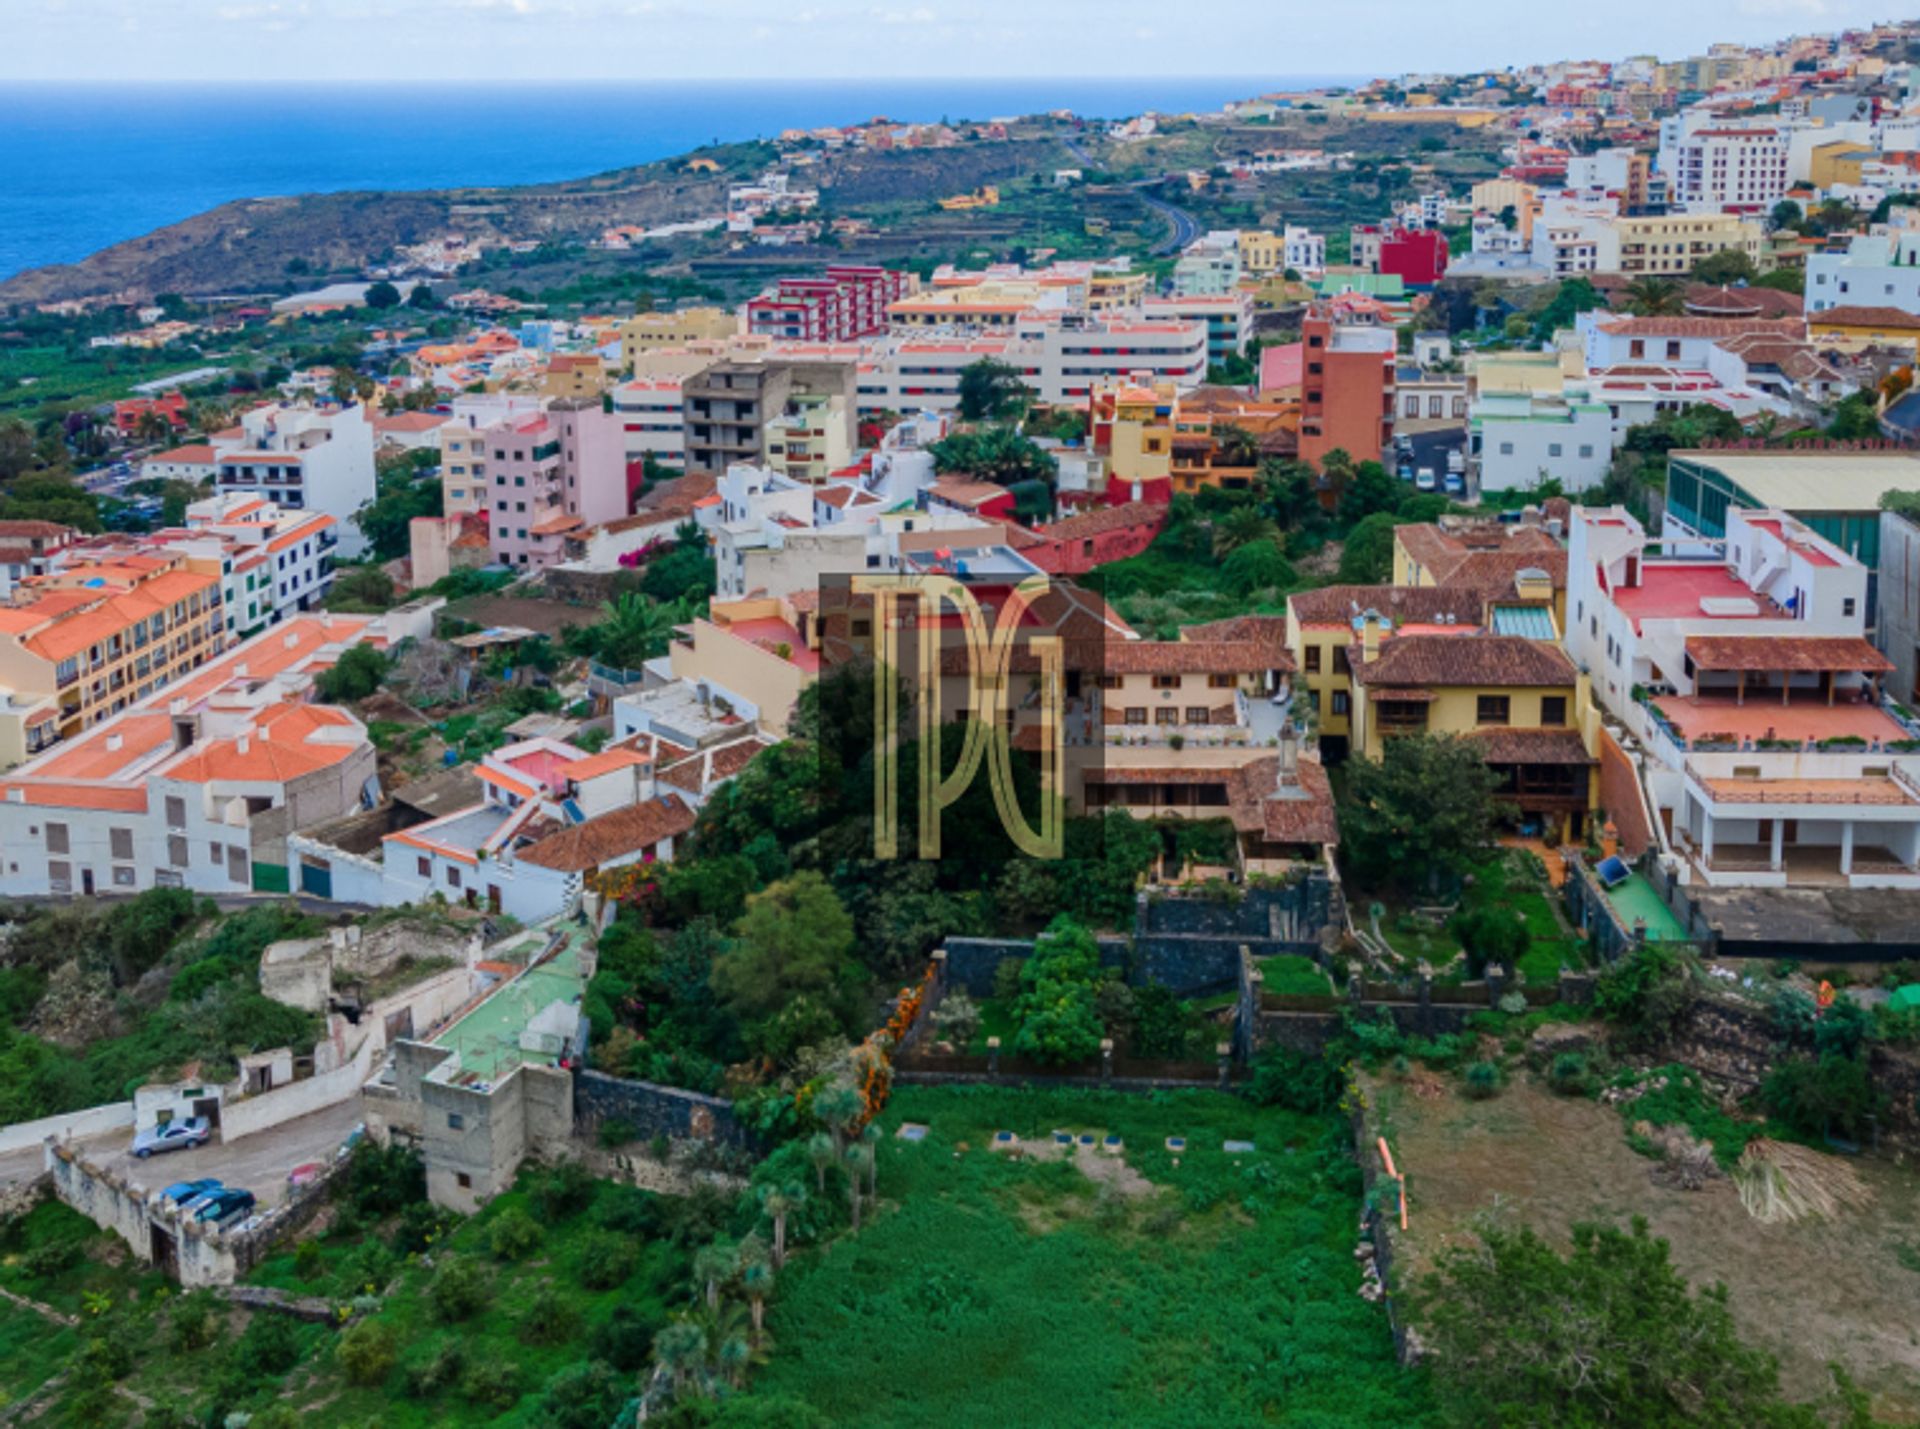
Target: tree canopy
{"type": "Point", "coordinates": [1423, 809]}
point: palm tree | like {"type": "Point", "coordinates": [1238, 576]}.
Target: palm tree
{"type": "Point", "coordinates": [633, 629]}
{"type": "Point", "coordinates": [757, 1281]}
{"type": "Point", "coordinates": [839, 1108]}
{"type": "Point", "coordinates": [153, 426]}
{"type": "Point", "coordinates": [734, 1354]}
{"type": "Point", "coordinates": [823, 1153]}
{"type": "Point", "coordinates": [1654, 298]}
{"type": "Point", "coordinates": [714, 1265]}
{"type": "Point", "coordinates": [870, 1138]}
{"type": "Point", "coordinates": [1241, 526]}
{"type": "Point", "coordinates": [681, 1350]}
{"type": "Point", "coordinates": [779, 1202]}
{"type": "Point", "coordinates": [859, 1166]}
{"type": "Point", "coordinates": [1234, 445]}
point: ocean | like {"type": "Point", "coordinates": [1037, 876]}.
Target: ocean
{"type": "Point", "coordinates": [86, 166]}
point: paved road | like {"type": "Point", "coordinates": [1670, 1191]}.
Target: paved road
{"type": "Point", "coordinates": [258, 1163]}
{"type": "Point", "coordinates": [1186, 227]}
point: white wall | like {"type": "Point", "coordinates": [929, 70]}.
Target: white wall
{"type": "Point", "coordinates": [68, 1125]}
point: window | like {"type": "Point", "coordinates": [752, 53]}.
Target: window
{"type": "Point", "coordinates": [1110, 682]}
{"type": "Point", "coordinates": [60, 877]}
{"type": "Point", "coordinates": [177, 850]}
{"type": "Point", "coordinates": [1197, 714]}
{"type": "Point", "coordinates": [123, 877]}
{"type": "Point", "coordinates": [1220, 682]}
{"type": "Point", "coordinates": [1491, 709]}
{"type": "Point", "coordinates": [1506, 449]}
{"type": "Point", "coordinates": [1166, 682]}
{"type": "Point", "coordinates": [1313, 659]}
{"type": "Point", "coordinates": [1342, 702]}
{"type": "Point", "coordinates": [1553, 449]}
{"type": "Point", "coordinates": [463, 1180]}
{"type": "Point", "coordinates": [57, 839]}
{"type": "Point", "coordinates": [121, 842]}
{"type": "Point", "coordinates": [1586, 449]}
{"type": "Point", "coordinates": [453, 878]}
{"type": "Point", "coordinates": [1136, 714]}
{"type": "Point", "coordinates": [1167, 715]}
{"type": "Point", "coordinates": [1553, 710]}
{"type": "Point", "coordinates": [456, 1122]}
{"type": "Point", "coordinates": [425, 866]}
{"type": "Point", "coordinates": [1846, 606]}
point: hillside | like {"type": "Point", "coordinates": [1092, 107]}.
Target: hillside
{"type": "Point", "coordinates": [246, 246]}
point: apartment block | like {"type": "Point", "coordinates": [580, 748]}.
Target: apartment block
{"type": "Point", "coordinates": [551, 473]}
{"type": "Point", "coordinates": [303, 458]}
{"type": "Point", "coordinates": [731, 410]}
{"type": "Point", "coordinates": [1347, 389]}
{"type": "Point", "coordinates": [848, 302]}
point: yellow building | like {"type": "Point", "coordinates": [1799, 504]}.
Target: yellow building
{"type": "Point", "coordinates": [646, 331]}
{"type": "Point", "coordinates": [99, 636]}
{"type": "Point", "coordinates": [1675, 244]}
{"type": "Point", "coordinates": [985, 197]}
{"type": "Point", "coordinates": [574, 376]}
{"type": "Point", "coordinates": [755, 655]}
{"type": "Point", "coordinates": [1520, 700]}
{"type": "Point", "coordinates": [1521, 562]}
{"type": "Point", "coordinates": [1116, 292]}
{"type": "Point", "coordinates": [1262, 252]}
{"type": "Point", "coordinates": [1852, 328]}
{"type": "Point", "coordinates": [1837, 163]}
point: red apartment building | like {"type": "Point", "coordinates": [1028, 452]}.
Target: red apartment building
{"type": "Point", "coordinates": [1418, 256]}
{"type": "Point", "coordinates": [1346, 391]}
{"type": "Point", "coordinates": [850, 302]}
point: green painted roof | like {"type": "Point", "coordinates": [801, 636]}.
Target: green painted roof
{"type": "Point", "coordinates": [1533, 621]}
{"type": "Point", "coordinates": [1905, 997]}
{"type": "Point", "coordinates": [1372, 285]}
{"type": "Point", "coordinates": [488, 1038]}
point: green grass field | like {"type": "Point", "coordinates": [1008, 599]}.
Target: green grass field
{"type": "Point", "coordinates": [1208, 1289]}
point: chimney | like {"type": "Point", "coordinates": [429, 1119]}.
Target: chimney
{"type": "Point", "coordinates": [243, 744]}
{"type": "Point", "coordinates": [1370, 624]}
{"type": "Point", "coordinates": [1289, 773]}
{"type": "Point", "coordinates": [114, 741]}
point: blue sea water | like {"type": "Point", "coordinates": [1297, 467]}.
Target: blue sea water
{"type": "Point", "coordinates": [87, 166]}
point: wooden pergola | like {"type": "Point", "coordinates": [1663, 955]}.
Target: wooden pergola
{"type": "Point", "coordinates": [1825, 656]}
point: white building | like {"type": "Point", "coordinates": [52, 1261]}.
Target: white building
{"type": "Point", "coordinates": [1517, 440]}
{"type": "Point", "coordinates": [1712, 170]}
{"type": "Point", "coordinates": [200, 784]}
{"type": "Point", "coordinates": [1305, 251]}
{"type": "Point", "coordinates": [304, 458]}
{"type": "Point", "coordinates": [1210, 265]}
{"type": "Point", "coordinates": [1880, 270]}
{"type": "Point", "coordinates": [1741, 668]}
{"type": "Point", "coordinates": [652, 416]}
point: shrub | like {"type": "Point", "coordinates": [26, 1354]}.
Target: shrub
{"type": "Point", "coordinates": [443, 1371]}
{"type": "Point", "coordinates": [1490, 934]}
{"type": "Point", "coordinates": [616, 1132]}
{"type": "Point", "coordinates": [607, 1259]}
{"type": "Point", "coordinates": [367, 1268]}
{"type": "Point", "coordinates": [582, 1396]}
{"type": "Point", "coordinates": [195, 1321]}
{"type": "Point", "coordinates": [514, 1236]}
{"type": "Point", "coordinates": [382, 1181]}
{"type": "Point", "coordinates": [494, 1383]}
{"type": "Point", "coordinates": [624, 1340]}
{"type": "Point", "coordinates": [1482, 1080]}
{"type": "Point", "coordinates": [562, 1192]}
{"type": "Point", "coordinates": [53, 1258]}
{"type": "Point", "coordinates": [422, 1226]}
{"type": "Point", "coordinates": [628, 1210]}
{"type": "Point", "coordinates": [308, 1262]}
{"type": "Point", "coordinates": [1647, 994]}
{"type": "Point", "coordinates": [1568, 1073]}
{"type": "Point", "coordinates": [1821, 1096]}
{"type": "Point", "coordinates": [460, 1289]}
{"type": "Point", "coordinates": [366, 1352]}
{"type": "Point", "coordinates": [1296, 1081]}
{"type": "Point", "coordinates": [550, 1317]}
{"type": "Point", "coordinates": [269, 1348]}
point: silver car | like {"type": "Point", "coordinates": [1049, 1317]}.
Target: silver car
{"type": "Point", "coordinates": [185, 1133]}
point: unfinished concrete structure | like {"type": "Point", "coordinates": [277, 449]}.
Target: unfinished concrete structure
{"type": "Point", "coordinates": [495, 1085]}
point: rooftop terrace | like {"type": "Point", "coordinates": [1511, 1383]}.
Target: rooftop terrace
{"type": "Point", "coordinates": [488, 1038]}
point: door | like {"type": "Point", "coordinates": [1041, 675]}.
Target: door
{"type": "Point", "coordinates": [166, 1255]}
{"type": "Point", "coordinates": [208, 1107]}
{"type": "Point", "coordinates": [316, 877]}
{"type": "Point", "coordinates": [493, 898]}
{"type": "Point", "coordinates": [86, 882]}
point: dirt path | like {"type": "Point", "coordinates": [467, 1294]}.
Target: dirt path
{"type": "Point", "coordinates": [1810, 1293]}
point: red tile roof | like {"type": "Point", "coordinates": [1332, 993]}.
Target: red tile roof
{"type": "Point", "coordinates": [1786, 652]}
{"type": "Point", "coordinates": [616, 835]}
{"type": "Point", "coordinates": [1451, 661]}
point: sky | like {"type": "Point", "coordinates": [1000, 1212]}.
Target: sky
{"type": "Point", "coordinates": [240, 41]}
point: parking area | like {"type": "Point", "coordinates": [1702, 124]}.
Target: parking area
{"type": "Point", "coordinates": [258, 1163]}
{"type": "Point", "coordinates": [1429, 450]}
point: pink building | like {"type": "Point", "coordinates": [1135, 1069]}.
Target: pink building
{"type": "Point", "coordinates": [550, 474]}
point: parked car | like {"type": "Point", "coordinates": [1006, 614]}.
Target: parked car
{"type": "Point", "coordinates": [188, 1131]}
{"type": "Point", "coordinates": [1456, 484]}
{"type": "Point", "coordinates": [224, 1205]}
{"type": "Point", "coordinates": [1425, 481]}
{"type": "Point", "coordinates": [1457, 461]}
{"type": "Point", "coordinates": [1405, 469]}
{"type": "Point", "coordinates": [180, 1192]}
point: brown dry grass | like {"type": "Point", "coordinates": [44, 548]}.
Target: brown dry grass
{"type": "Point", "coordinates": [1809, 1292]}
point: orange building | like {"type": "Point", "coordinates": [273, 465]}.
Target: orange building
{"type": "Point", "coordinates": [1346, 391]}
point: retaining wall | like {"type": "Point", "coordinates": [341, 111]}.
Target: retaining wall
{"type": "Point", "coordinates": [68, 1125]}
{"type": "Point", "coordinates": [652, 1110]}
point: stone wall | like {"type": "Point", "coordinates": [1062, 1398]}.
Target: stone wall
{"type": "Point", "coordinates": [652, 1110]}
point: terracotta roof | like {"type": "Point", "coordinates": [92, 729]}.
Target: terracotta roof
{"type": "Point", "coordinates": [194, 452]}
{"type": "Point", "coordinates": [1451, 661]}
{"type": "Point", "coordinates": [1848, 315]}
{"type": "Point", "coordinates": [616, 835]}
{"type": "Point", "coordinates": [1707, 301]}
{"type": "Point", "coordinates": [27, 529]}
{"type": "Point", "coordinates": [1531, 746]}
{"type": "Point", "coordinates": [1783, 652]}
{"type": "Point", "coordinates": [1402, 604]}
{"type": "Point", "coordinates": [410, 422]}
{"type": "Point", "coordinates": [677, 497]}
{"type": "Point", "coordinates": [1103, 519]}
{"type": "Point", "coordinates": [713, 765]}
{"type": "Point", "coordinates": [1265, 630]}
{"type": "Point", "coordinates": [1302, 814]}
{"type": "Point", "coordinates": [1184, 657]}
{"type": "Point", "coordinates": [605, 762]}
{"type": "Point", "coordinates": [1699, 327]}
